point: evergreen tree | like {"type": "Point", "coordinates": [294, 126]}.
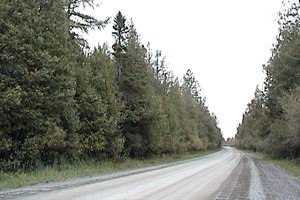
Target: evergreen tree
{"type": "Point", "coordinates": [99, 107]}
{"type": "Point", "coordinates": [136, 89]}
{"type": "Point", "coordinates": [255, 124]}
{"type": "Point", "coordinates": [38, 117]}
{"type": "Point", "coordinates": [58, 102]}
{"type": "Point", "coordinates": [80, 21]}
{"type": "Point", "coordinates": [120, 34]}
{"type": "Point", "coordinates": [272, 127]}
{"type": "Point", "coordinates": [174, 139]}
{"type": "Point", "coordinates": [192, 85]}
{"type": "Point", "coordinates": [283, 70]}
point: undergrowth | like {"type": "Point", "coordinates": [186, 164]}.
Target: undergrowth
{"type": "Point", "coordinates": [86, 168]}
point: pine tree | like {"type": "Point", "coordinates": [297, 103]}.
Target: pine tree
{"type": "Point", "coordinates": [135, 87]}
{"type": "Point", "coordinates": [120, 34]}
{"type": "Point", "coordinates": [80, 21]}
{"type": "Point", "coordinates": [192, 85]}
{"type": "Point", "coordinates": [38, 116]}
{"type": "Point", "coordinates": [99, 107]}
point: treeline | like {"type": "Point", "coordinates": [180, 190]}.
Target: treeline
{"type": "Point", "coordinates": [60, 104]}
{"type": "Point", "coordinates": [272, 121]}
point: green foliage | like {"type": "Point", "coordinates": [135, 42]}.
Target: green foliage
{"type": "Point", "coordinates": [173, 104]}
{"type": "Point", "coordinates": [60, 104]}
{"type": "Point", "coordinates": [137, 93]}
{"type": "Point", "coordinates": [83, 168]}
{"type": "Point", "coordinates": [99, 107]}
{"type": "Point", "coordinates": [37, 88]}
{"type": "Point", "coordinates": [191, 84]}
{"type": "Point", "coordinates": [255, 124]}
{"type": "Point", "coordinates": [79, 21]}
{"type": "Point", "coordinates": [271, 123]}
{"type": "Point", "coordinates": [292, 123]}
{"type": "Point", "coordinates": [120, 34]}
{"type": "Point", "coordinates": [159, 115]}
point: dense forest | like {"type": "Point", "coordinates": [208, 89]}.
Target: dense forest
{"type": "Point", "coordinates": [271, 122]}
{"type": "Point", "coordinates": [61, 102]}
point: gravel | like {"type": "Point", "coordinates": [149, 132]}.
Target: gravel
{"type": "Point", "coordinates": [256, 189]}
{"type": "Point", "coordinates": [256, 179]}
{"type": "Point", "coordinates": [277, 183]}
{"type": "Point", "coordinates": [52, 186]}
{"type": "Point", "coordinates": [250, 178]}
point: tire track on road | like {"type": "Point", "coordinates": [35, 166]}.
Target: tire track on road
{"type": "Point", "coordinates": [237, 186]}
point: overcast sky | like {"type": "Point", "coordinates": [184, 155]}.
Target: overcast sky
{"type": "Point", "coordinates": [224, 43]}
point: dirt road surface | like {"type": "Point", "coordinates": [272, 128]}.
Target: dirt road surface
{"type": "Point", "coordinates": [228, 174]}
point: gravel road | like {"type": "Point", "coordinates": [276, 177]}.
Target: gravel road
{"type": "Point", "coordinates": [228, 174]}
{"type": "Point", "coordinates": [256, 179]}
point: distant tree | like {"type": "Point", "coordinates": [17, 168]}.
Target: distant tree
{"type": "Point", "coordinates": [270, 124]}
{"type": "Point", "coordinates": [192, 85]}
{"type": "Point", "coordinates": [120, 34]}
{"type": "Point", "coordinates": [255, 127]}
{"type": "Point", "coordinates": [202, 131]}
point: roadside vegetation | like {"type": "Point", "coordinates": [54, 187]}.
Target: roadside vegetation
{"type": "Point", "coordinates": [271, 123]}
{"type": "Point", "coordinates": [289, 165]}
{"type": "Point", "coordinates": [62, 102]}
{"type": "Point", "coordinates": [87, 168]}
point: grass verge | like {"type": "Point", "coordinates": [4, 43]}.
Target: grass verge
{"type": "Point", "coordinates": [86, 168]}
{"type": "Point", "coordinates": [291, 166]}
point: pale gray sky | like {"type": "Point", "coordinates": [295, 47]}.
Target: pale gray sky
{"type": "Point", "coordinates": [224, 43]}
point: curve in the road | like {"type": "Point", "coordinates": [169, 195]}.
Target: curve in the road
{"type": "Point", "coordinates": [225, 175]}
